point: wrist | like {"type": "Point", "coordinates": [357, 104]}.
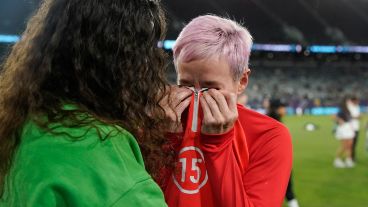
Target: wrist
{"type": "Point", "coordinates": [217, 138]}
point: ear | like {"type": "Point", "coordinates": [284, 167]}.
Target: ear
{"type": "Point", "coordinates": [243, 82]}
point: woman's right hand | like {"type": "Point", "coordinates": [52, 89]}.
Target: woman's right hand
{"type": "Point", "coordinates": [174, 103]}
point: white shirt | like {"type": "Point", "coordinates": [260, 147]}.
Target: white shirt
{"type": "Point", "coordinates": [354, 110]}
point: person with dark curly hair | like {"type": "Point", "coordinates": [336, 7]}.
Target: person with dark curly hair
{"type": "Point", "coordinates": [80, 98]}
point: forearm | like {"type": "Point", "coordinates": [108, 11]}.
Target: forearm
{"type": "Point", "coordinates": [225, 170]}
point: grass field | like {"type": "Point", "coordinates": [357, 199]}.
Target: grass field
{"type": "Point", "coordinates": [316, 182]}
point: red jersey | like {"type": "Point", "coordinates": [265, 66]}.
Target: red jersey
{"type": "Point", "coordinates": [248, 166]}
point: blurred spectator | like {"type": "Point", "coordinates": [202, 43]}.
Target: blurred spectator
{"type": "Point", "coordinates": [354, 109]}
{"type": "Point", "coordinates": [305, 88]}
{"type": "Point", "coordinates": [366, 138]}
{"type": "Point", "coordinates": [276, 110]}
{"type": "Point", "coordinates": [345, 133]}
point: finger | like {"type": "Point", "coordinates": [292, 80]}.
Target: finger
{"type": "Point", "coordinates": [182, 106]}
{"type": "Point", "coordinates": [220, 100]}
{"type": "Point", "coordinates": [170, 114]}
{"type": "Point", "coordinates": [232, 103]}
{"type": "Point", "coordinates": [164, 103]}
{"type": "Point", "coordinates": [169, 89]}
{"type": "Point", "coordinates": [231, 100]}
{"type": "Point", "coordinates": [178, 95]}
{"type": "Point", "coordinates": [207, 115]}
{"type": "Point", "coordinates": [213, 107]}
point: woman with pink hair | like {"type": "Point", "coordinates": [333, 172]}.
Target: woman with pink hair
{"type": "Point", "coordinates": [227, 154]}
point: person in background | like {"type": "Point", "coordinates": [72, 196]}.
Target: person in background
{"type": "Point", "coordinates": [354, 109]}
{"type": "Point", "coordinates": [345, 134]}
{"type": "Point", "coordinates": [366, 137]}
{"type": "Point", "coordinates": [79, 99]}
{"type": "Point", "coordinates": [277, 110]}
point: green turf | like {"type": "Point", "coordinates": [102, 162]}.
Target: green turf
{"type": "Point", "coordinates": [316, 182]}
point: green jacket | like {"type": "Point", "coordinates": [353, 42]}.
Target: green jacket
{"type": "Point", "coordinates": [55, 170]}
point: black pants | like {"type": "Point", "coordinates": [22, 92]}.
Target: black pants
{"type": "Point", "coordinates": [355, 141]}
{"type": "Point", "coordinates": [289, 191]}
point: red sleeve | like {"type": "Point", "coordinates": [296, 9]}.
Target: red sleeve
{"type": "Point", "coordinates": [224, 173]}
{"type": "Point", "coordinates": [269, 169]}
{"type": "Point", "coordinates": [264, 182]}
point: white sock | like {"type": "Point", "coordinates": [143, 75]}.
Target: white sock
{"type": "Point", "coordinates": [338, 163]}
{"type": "Point", "coordinates": [293, 203]}
{"type": "Point", "coordinates": [349, 162]}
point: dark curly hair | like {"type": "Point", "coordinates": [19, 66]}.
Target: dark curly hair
{"type": "Point", "coordinates": [100, 55]}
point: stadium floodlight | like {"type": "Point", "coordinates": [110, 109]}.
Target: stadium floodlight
{"type": "Point", "coordinates": [169, 44]}
{"type": "Point", "coordinates": [277, 48]}
{"type": "Point", "coordinates": [293, 48]}
{"type": "Point", "coordinates": [322, 49]}
{"type": "Point", "coordinates": [337, 49]}
{"type": "Point", "coordinates": [9, 38]}
{"type": "Point", "coordinates": [355, 49]}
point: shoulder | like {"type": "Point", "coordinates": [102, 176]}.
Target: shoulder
{"type": "Point", "coordinates": [264, 133]}
{"type": "Point", "coordinates": [98, 144]}
{"type": "Point", "coordinates": [84, 141]}
{"type": "Point", "coordinates": [76, 167]}
{"type": "Point", "coordinates": [251, 115]}
{"type": "Point", "coordinates": [257, 124]}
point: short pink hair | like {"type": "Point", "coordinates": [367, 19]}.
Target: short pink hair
{"type": "Point", "coordinates": [212, 36]}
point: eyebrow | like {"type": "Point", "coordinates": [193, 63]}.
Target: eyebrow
{"type": "Point", "coordinates": [183, 81]}
{"type": "Point", "coordinates": [205, 83]}
{"type": "Point", "coordinates": [211, 83]}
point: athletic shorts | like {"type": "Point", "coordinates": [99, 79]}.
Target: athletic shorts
{"type": "Point", "coordinates": [344, 131]}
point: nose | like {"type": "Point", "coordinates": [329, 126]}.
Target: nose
{"type": "Point", "coordinates": [197, 86]}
